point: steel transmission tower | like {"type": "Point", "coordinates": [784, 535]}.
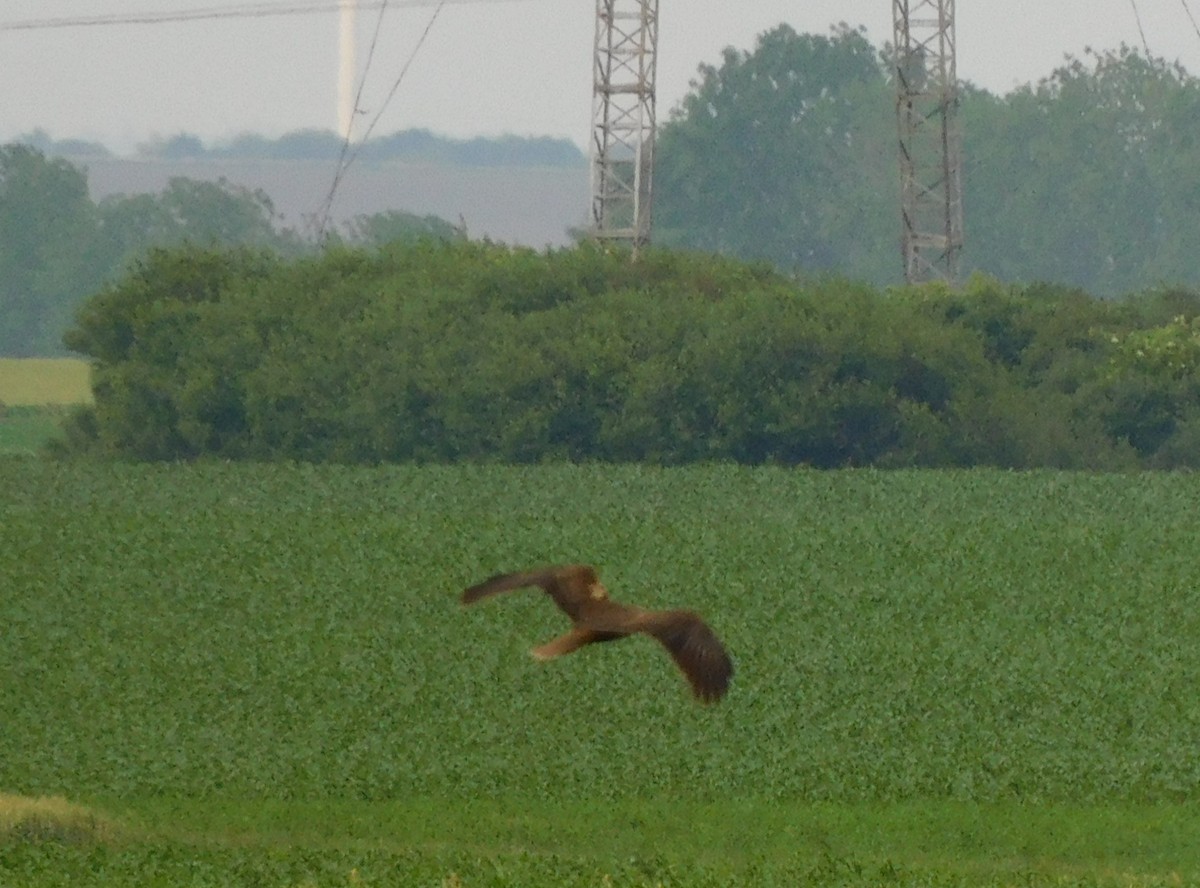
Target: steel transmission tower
{"type": "Point", "coordinates": [623, 120]}
{"type": "Point", "coordinates": [930, 141]}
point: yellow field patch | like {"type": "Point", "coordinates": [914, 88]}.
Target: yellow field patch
{"type": "Point", "coordinates": [50, 819]}
{"type": "Point", "coordinates": [26, 382]}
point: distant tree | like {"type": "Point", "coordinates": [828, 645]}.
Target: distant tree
{"type": "Point", "coordinates": [207, 213]}
{"type": "Point", "coordinates": [129, 224]}
{"type": "Point", "coordinates": [184, 146]}
{"type": "Point", "coordinates": [47, 239]}
{"type": "Point", "coordinates": [410, 144]}
{"type": "Point", "coordinates": [57, 246]}
{"type": "Point", "coordinates": [514, 151]}
{"type": "Point", "coordinates": [246, 146]}
{"type": "Point", "coordinates": [417, 143]}
{"type": "Point", "coordinates": [51, 147]}
{"type": "Point", "coordinates": [303, 144]}
{"type": "Point", "coordinates": [396, 227]}
{"type": "Point", "coordinates": [220, 213]}
{"type": "Point", "coordinates": [786, 153]}
{"type": "Point", "coordinates": [507, 150]}
{"type": "Point", "coordinates": [1091, 177]}
{"type": "Point", "coordinates": [309, 144]}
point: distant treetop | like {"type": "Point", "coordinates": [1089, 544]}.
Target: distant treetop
{"type": "Point", "coordinates": [316, 144]}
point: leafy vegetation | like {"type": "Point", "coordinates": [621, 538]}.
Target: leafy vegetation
{"type": "Point", "coordinates": [787, 153]}
{"type": "Point", "coordinates": [261, 673]}
{"type": "Point", "coordinates": [30, 430]}
{"type": "Point", "coordinates": [461, 351]}
{"type": "Point", "coordinates": [57, 246]}
{"type": "Point", "coordinates": [315, 144]}
{"type": "Point", "coordinates": [45, 217]}
{"type": "Point", "coordinates": [784, 153]}
{"type": "Point", "coordinates": [404, 145]}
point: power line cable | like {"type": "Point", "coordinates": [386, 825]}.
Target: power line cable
{"type": "Point", "coordinates": [241, 10]}
{"type": "Point", "coordinates": [1138, 18]}
{"type": "Point", "coordinates": [356, 108]}
{"type": "Point", "coordinates": [1191, 18]}
{"type": "Point", "coordinates": [404, 71]}
{"type": "Point", "coordinates": [342, 163]}
{"type": "Point", "coordinates": [345, 162]}
{"type": "Point", "coordinates": [257, 10]}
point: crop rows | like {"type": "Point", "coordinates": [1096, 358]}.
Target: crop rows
{"type": "Point", "coordinates": [293, 632]}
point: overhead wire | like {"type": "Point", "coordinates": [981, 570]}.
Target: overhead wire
{"type": "Point", "coordinates": [347, 137]}
{"type": "Point", "coordinates": [362, 80]}
{"type": "Point", "coordinates": [240, 10]}
{"type": "Point", "coordinates": [347, 157]}
{"type": "Point", "coordinates": [1191, 18]}
{"type": "Point", "coordinates": [1138, 18]}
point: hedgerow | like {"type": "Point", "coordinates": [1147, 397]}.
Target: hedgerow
{"type": "Point", "coordinates": [481, 352]}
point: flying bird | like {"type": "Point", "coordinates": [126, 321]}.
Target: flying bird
{"type": "Point", "coordinates": [577, 590]}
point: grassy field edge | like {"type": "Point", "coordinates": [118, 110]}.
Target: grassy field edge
{"type": "Point", "coordinates": [1112, 844]}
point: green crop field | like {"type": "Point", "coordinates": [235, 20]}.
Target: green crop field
{"type": "Point", "coordinates": [260, 675]}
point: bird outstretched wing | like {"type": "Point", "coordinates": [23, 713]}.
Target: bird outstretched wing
{"type": "Point", "coordinates": [695, 649]}
{"type": "Point", "coordinates": [567, 584]}
{"type": "Point", "coordinates": [506, 582]}
{"type": "Point", "coordinates": [577, 591]}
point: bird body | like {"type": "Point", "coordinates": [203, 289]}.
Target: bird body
{"type": "Point", "coordinates": [578, 592]}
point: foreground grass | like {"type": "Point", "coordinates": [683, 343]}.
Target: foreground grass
{"type": "Point", "coordinates": [533, 842]}
{"type": "Point", "coordinates": [728, 838]}
{"type": "Point", "coordinates": [35, 820]}
{"type": "Point", "coordinates": [262, 674]}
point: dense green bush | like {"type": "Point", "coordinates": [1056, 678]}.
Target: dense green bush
{"type": "Point", "coordinates": [439, 351]}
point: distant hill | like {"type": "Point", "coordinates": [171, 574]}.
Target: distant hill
{"type": "Point", "coordinates": [518, 190]}
{"type": "Point", "coordinates": [410, 145]}
{"type": "Point", "coordinates": [526, 205]}
{"type": "Point", "coordinates": [314, 144]}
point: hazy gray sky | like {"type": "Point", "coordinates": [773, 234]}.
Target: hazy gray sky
{"type": "Point", "coordinates": [488, 67]}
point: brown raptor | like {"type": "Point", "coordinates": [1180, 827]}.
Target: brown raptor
{"type": "Point", "coordinates": [578, 592]}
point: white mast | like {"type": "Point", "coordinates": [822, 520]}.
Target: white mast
{"type": "Point", "coordinates": [346, 67]}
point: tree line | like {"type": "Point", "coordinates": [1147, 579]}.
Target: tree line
{"type": "Point", "coordinates": [326, 145]}
{"type": "Point", "coordinates": [461, 351]}
{"type": "Point", "coordinates": [784, 153]}
{"type": "Point", "coordinates": [787, 152]}
{"type": "Point", "coordinates": [57, 245]}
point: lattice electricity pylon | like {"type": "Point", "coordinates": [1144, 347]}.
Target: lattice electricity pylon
{"type": "Point", "coordinates": [623, 120]}
{"type": "Point", "coordinates": [930, 140]}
